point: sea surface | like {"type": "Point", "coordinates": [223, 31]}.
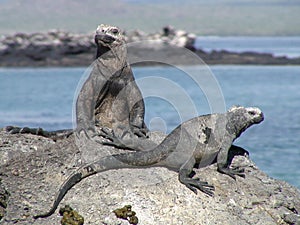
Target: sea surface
{"type": "Point", "coordinates": [278, 46]}
{"type": "Point", "coordinates": [43, 97]}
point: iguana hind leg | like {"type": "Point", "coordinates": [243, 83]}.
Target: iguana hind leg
{"type": "Point", "coordinates": [113, 139]}
{"type": "Point", "coordinates": [134, 143]}
{"type": "Point", "coordinates": [194, 183]}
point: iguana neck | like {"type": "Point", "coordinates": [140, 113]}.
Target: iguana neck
{"type": "Point", "coordinates": [113, 58]}
{"type": "Point", "coordinates": [101, 51]}
{"type": "Point", "coordinates": [236, 124]}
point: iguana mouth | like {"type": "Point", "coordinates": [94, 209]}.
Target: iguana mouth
{"type": "Point", "coordinates": [104, 38]}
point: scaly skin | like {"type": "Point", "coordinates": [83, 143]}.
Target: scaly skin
{"type": "Point", "coordinates": [198, 141]}
{"type": "Point", "coordinates": [110, 98]}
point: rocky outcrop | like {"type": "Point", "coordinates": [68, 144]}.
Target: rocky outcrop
{"type": "Point", "coordinates": [249, 58]}
{"type": "Point", "coordinates": [59, 48]}
{"type": "Point", "coordinates": [55, 48]}
{"type": "Point", "coordinates": [32, 169]}
{"type": "Point", "coordinates": [179, 38]}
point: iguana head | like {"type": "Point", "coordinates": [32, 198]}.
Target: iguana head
{"type": "Point", "coordinates": [107, 38]}
{"type": "Point", "coordinates": [240, 118]}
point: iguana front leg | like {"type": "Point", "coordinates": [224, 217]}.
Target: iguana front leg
{"type": "Point", "coordinates": [193, 184]}
{"type": "Point", "coordinates": [223, 162]}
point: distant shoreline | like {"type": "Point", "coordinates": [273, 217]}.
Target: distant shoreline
{"type": "Point", "coordinates": [64, 49]}
{"type": "Point", "coordinates": [221, 57]}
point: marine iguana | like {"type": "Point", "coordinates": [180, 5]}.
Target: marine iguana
{"type": "Point", "coordinates": [111, 89]}
{"type": "Point", "coordinates": [195, 143]}
{"type": "Point", "coordinates": [109, 97]}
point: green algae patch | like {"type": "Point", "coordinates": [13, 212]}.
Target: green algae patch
{"type": "Point", "coordinates": [126, 213]}
{"type": "Point", "coordinates": [70, 216]}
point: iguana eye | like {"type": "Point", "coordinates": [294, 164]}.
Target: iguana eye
{"type": "Point", "coordinates": [252, 113]}
{"type": "Point", "coordinates": [115, 31]}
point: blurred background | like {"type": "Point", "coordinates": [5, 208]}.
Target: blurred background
{"type": "Point", "coordinates": [214, 17]}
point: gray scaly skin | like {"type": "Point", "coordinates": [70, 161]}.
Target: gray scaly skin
{"type": "Point", "coordinates": [198, 142]}
{"type": "Point", "coordinates": [109, 98]}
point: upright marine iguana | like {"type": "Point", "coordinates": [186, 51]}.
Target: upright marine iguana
{"type": "Point", "coordinates": [109, 97]}
{"type": "Point", "coordinates": [111, 89]}
{"type": "Point", "coordinates": [197, 142]}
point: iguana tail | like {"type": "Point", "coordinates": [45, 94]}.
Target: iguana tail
{"type": "Point", "coordinates": [118, 161]}
{"type": "Point", "coordinates": [104, 164]}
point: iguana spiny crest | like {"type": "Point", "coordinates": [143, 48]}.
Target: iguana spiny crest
{"type": "Point", "coordinates": [111, 42]}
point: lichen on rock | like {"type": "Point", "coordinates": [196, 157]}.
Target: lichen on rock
{"type": "Point", "coordinates": [70, 216]}
{"type": "Point", "coordinates": [127, 214]}
{"type": "Point", "coordinates": [4, 195]}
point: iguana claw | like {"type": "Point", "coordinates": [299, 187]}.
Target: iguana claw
{"type": "Point", "coordinates": [113, 139]}
{"type": "Point", "coordinates": [194, 184]}
{"type": "Point", "coordinates": [233, 172]}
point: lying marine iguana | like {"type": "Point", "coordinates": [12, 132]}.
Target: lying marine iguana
{"type": "Point", "coordinates": [109, 97]}
{"type": "Point", "coordinates": [198, 142]}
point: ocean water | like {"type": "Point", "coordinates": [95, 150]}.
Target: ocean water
{"type": "Point", "coordinates": [278, 46]}
{"type": "Point", "coordinates": [43, 97]}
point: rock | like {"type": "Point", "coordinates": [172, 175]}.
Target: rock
{"type": "Point", "coordinates": [61, 48]}
{"type": "Point", "coordinates": [169, 35]}
{"type": "Point", "coordinates": [35, 167]}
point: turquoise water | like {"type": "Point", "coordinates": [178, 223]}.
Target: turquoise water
{"type": "Point", "coordinates": [43, 98]}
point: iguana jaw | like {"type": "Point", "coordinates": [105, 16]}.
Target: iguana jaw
{"type": "Point", "coordinates": [256, 114]}
{"type": "Point", "coordinates": [104, 39]}
{"type": "Point", "coordinates": [107, 35]}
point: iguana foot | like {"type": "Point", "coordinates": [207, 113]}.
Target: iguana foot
{"type": "Point", "coordinates": [88, 132]}
{"type": "Point", "coordinates": [140, 132]}
{"type": "Point", "coordinates": [194, 184]}
{"type": "Point", "coordinates": [113, 139]}
{"type": "Point", "coordinates": [233, 172]}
